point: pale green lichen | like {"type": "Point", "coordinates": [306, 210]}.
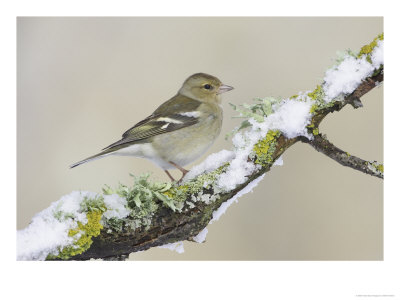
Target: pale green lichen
{"type": "Point", "coordinates": [143, 198]}
{"type": "Point", "coordinates": [115, 224]}
{"type": "Point", "coordinates": [62, 216]}
{"type": "Point", "coordinates": [265, 148]}
{"type": "Point", "coordinates": [342, 55]}
{"type": "Point", "coordinates": [93, 204]}
{"type": "Point", "coordinates": [144, 191]}
{"type": "Point", "coordinates": [262, 108]}
{"type": "Point", "coordinates": [193, 189]}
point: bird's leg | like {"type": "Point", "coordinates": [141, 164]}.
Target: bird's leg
{"type": "Point", "coordinates": [169, 175]}
{"type": "Point", "coordinates": [184, 171]}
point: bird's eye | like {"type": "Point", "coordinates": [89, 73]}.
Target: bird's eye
{"type": "Point", "coordinates": [207, 86]}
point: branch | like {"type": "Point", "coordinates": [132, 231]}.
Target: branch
{"type": "Point", "coordinates": [354, 99]}
{"type": "Point", "coordinates": [321, 144]}
{"type": "Point", "coordinates": [111, 225]}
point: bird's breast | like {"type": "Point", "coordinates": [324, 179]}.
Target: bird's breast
{"type": "Point", "coordinates": [185, 145]}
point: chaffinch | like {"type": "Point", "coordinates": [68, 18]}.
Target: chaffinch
{"type": "Point", "coordinates": [177, 132]}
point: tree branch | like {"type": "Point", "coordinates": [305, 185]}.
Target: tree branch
{"type": "Point", "coordinates": [131, 219]}
{"type": "Point", "coordinates": [170, 227]}
{"type": "Point", "coordinates": [353, 99]}
{"type": "Point", "coordinates": [321, 144]}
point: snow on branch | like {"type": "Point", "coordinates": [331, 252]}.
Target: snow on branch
{"type": "Point", "coordinates": [112, 224]}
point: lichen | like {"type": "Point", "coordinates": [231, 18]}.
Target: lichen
{"type": "Point", "coordinates": [115, 224]}
{"type": "Point", "coordinates": [313, 108]}
{"type": "Point", "coordinates": [265, 148]}
{"type": "Point", "coordinates": [195, 187]}
{"type": "Point", "coordinates": [367, 49]}
{"type": "Point", "coordinates": [143, 198]}
{"type": "Point", "coordinates": [318, 94]}
{"type": "Point", "coordinates": [375, 167]}
{"type": "Point", "coordinates": [262, 108]}
{"type": "Point", "coordinates": [92, 204]}
{"type": "Point", "coordinates": [144, 191]}
{"type": "Point", "coordinates": [83, 234]}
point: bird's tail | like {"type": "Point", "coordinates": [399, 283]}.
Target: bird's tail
{"type": "Point", "coordinates": [91, 158]}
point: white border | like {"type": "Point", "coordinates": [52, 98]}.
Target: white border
{"type": "Point", "coordinates": [198, 280]}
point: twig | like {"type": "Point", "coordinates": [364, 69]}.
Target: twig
{"type": "Point", "coordinates": [321, 144]}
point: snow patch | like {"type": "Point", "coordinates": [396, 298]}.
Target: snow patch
{"type": "Point", "coordinates": [178, 247]}
{"type": "Point", "coordinates": [224, 206]}
{"type": "Point", "coordinates": [42, 237]}
{"type": "Point", "coordinates": [377, 55]}
{"type": "Point", "coordinates": [291, 117]}
{"type": "Point", "coordinates": [279, 161]}
{"type": "Point", "coordinates": [346, 77]}
{"type": "Point", "coordinates": [211, 163]}
{"type": "Point", "coordinates": [201, 237]}
{"type": "Point", "coordinates": [48, 230]}
{"type": "Point", "coordinates": [116, 207]}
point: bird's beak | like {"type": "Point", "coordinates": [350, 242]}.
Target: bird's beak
{"type": "Point", "coordinates": [224, 88]}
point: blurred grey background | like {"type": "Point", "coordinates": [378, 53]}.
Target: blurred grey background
{"type": "Point", "coordinates": [81, 82]}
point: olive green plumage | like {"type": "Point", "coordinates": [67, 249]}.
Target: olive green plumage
{"type": "Point", "coordinates": [177, 132]}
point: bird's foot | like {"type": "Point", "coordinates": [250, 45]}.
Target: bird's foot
{"type": "Point", "coordinates": [184, 171]}
{"type": "Point", "coordinates": [170, 176]}
{"type": "Point", "coordinates": [183, 176]}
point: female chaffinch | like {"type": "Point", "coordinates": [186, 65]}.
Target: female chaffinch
{"type": "Point", "coordinates": [177, 132]}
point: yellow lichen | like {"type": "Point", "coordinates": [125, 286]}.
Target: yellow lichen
{"type": "Point", "coordinates": [317, 93]}
{"type": "Point", "coordinates": [367, 49]}
{"type": "Point", "coordinates": [313, 108]}
{"type": "Point", "coordinates": [86, 231]}
{"type": "Point", "coordinates": [265, 147]}
{"type": "Point", "coordinates": [169, 194]}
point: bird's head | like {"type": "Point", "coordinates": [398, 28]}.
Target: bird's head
{"type": "Point", "coordinates": [203, 87]}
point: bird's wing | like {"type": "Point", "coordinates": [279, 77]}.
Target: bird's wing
{"type": "Point", "coordinates": [175, 114]}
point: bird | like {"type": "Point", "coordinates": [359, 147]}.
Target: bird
{"type": "Point", "coordinates": [179, 131]}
